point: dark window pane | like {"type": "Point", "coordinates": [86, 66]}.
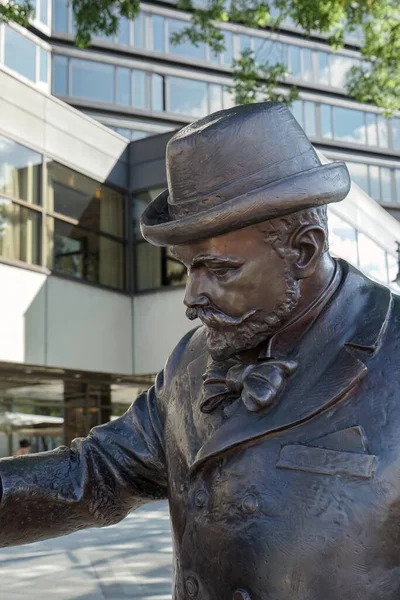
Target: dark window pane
{"type": "Point", "coordinates": [85, 255]}
{"type": "Point", "coordinates": [20, 230]}
{"type": "Point", "coordinates": [349, 125]}
{"type": "Point", "coordinates": [19, 54]}
{"type": "Point", "coordinates": [20, 171]}
{"type": "Point", "coordinates": [123, 30]}
{"type": "Point", "coordinates": [92, 80]}
{"type": "Point", "coordinates": [94, 205]}
{"type": "Point", "coordinates": [157, 92]}
{"type": "Point", "coordinates": [60, 75]}
{"type": "Point", "coordinates": [185, 48]}
{"type": "Point", "coordinates": [187, 96]}
{"type": "Point", "coordinates": [60, 15]}
{"type": "Point", "coordinates": [158, 33]}
{"type": "Point", "coordinates": [139, 31]}
{"type": "Point", "coordinates": [123, 86]}
{"type": "Point", "coordinates": [44, 65]}
{"type": "Point", "coordinates": [359, 174]}
{"type": "Point", "coordinates": [139, 89]}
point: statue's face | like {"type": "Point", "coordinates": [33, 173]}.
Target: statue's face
{"type": "Point", "coordinates": [240, 287]}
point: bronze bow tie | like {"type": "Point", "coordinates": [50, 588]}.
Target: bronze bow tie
{"type": "Point", "coordinates": [257, 384]}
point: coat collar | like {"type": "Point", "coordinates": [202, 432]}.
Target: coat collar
{"type": "Point", "coordinates": [331, 357]}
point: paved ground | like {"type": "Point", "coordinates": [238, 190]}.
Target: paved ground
{"type": "Point", "coordinates": [129, 560]}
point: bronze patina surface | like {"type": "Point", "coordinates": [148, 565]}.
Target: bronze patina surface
{"type": "Point", "coordinates": [273, 430]}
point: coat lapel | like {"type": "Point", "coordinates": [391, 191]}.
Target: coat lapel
{"type": "Point", "coordinates": [332, 359]}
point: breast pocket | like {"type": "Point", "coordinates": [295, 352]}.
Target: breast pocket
{"type": "Point", "coordinates": [298, 457]}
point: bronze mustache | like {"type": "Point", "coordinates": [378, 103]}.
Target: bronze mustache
{"type": "Point", "coordinates": [215, 318]}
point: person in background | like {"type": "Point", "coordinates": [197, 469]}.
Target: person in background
{"type": "Point", "coordinates": [24, 448]}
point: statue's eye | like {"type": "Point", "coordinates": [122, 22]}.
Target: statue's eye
{"type": "Point", "coordinates": [222, 271]}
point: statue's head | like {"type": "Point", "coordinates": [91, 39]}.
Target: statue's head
{"type": "Point", "coordinates": [245, 212]}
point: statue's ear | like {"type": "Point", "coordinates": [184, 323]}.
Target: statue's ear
{"type": "Point", "coordinates": [308, 243]}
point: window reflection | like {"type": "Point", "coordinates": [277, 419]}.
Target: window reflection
{"type": "Point", "coordinates": [92, 80]}
{"type": "Point", "coordinates": [20, 171]}
{"type": "Point", "coordinates": [19, 54]}
{"type": "Point", "coordinates": [348, 125]}
{"type": "Point", "coordinates": [359, 174]}
{"type": "Point", "coordinates": [20, 232]}
{"type": "Point", "coordinates": [60, 75]}
{"type": "Point", "coordinates": [342, 239]}
{"type": "Point", "coordinates": [93, 205]}
{"type": "Point", "coordinates": [187, 96]}
{"type": "Point", "coordinates": [185, 48]}
{"type": "Point", "coordinates": [372, 258]}
{"type": "Point", "coordinates": [158, 33]}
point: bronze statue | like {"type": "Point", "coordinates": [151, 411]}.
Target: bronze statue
{"type": "Point", "coordinates": [274, 429]}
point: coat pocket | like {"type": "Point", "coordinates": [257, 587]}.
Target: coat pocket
{"type": "Point", "coordinates": [326, 462]}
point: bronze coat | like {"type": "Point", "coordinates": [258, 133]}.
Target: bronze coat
{"type": "Point", "coordinates": [300, 504]}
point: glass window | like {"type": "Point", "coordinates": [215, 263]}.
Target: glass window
{"type": "Point", "coordinates": [323, 68]}
{"type": "Point", "coordinates": [124, 30]}
{"type": "Point", "coordinates": [386, 184]}
{"type": "Point", "coordinates": [374, 183]}
{"type": "Point", "coordinates": [44, 12]}
{"type": "Point", "coordinates": [348, 125]}
{"type": "Point", "coordinates": [123, 131]}
{"type": "Point", "coordinates": [139, 31]}
{"type": "Point", "coordinates": [396, 133]}
{"type": "Point", "coordinates": [264, 51]}
{"type": "Point", "coordinates": [20, 171]}
{"type": "Point", "coordinates": [307, 67]}
{"type": "Point", "coordinates": [372, 132]}
{"type": "Point", "coordinates": [139, 89]}
{"type": "Point", "coordinates": [309, 118]}
{"type": "Point", "coordinates": [297, 111]}
{"type": "Point", "coordinates": [157, 92]}
{"type": "Point", "coordinates": [215, 92]}
{"type": "Point", "coordinates": [95, 206]}
{"type": "Point", "coordinates": [158, 33]}
{"type": "Point", "coordinates": [185, 48]}
{"type": "Point", "coordinates": [92, 80]}
{"type": "Point", "coordinates": [19, 54]}
{"type": "Point", "coordinates": [138, 135]}
{"type": "Point", "coordinates": [372, 258]}
{"type": "Point", "coordinates": [60, 75]}
{"type": "Point", "coordinates": [342, 239]}
{"type": "Point", "coordinates": [359, 174]}
{"type": "Point", "coordinates": [294, 61]}
{"type": "Point", "coordinates": [60, 15]}
{"type": "Point", "coordinates": [326, 121]}
{"type": "Point", "coordinates": [44, 65]}
{"type": "Point", "coordinates": [244, 42]}
{"type": "Point", "coordinates": [397, 180]}
{"type": "Point", "coordinates": [85, 255]}
{"type": "Point", "coordinates": [187, 96]}
{"type": "Point", "coordinates": [227, 56]}
{"type": "Point", "coordinates": [383, 132]}
{"type": "Point", "coordinates": [20, 230]}
{"type": "Point", "coordinates": [339, 66]}
{"type": "Point", "coordinates": [123, 86]}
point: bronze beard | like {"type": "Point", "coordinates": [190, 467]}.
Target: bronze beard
{"type": "Point", "coordinates": [227, 336]}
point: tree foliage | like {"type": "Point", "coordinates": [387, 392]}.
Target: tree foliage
{"type": "Point", "coordinates": [377, 81]}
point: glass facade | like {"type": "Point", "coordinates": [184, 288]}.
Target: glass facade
{"type": "Point", "coordinates": [84, 220]}
{"type": "Point", "coordinates": [380, 182]}
{"type": "Point", "coordinates": [25, 54]}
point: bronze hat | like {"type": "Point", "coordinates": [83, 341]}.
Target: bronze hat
{"type": "Point", "coordinates": [235, 168]}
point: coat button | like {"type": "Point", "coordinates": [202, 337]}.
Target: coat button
{"type": "Point", "coordinates": [241, 595]}
{"type": "Point", "coordinates": [192, 587]}
{"type": "Point", "coordinates": [200, 498]}
{"type": "Point", "coordinates": [250, 504]}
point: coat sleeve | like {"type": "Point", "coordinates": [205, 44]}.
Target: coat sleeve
{"type": "Point", "coordinates": [95, 482]}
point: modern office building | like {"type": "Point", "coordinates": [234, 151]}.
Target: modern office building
{"type": "Point", "coordinates": [89, 311]}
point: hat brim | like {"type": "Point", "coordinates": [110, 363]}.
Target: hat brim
{"type": "Point", "coordinates": [317, 186]}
